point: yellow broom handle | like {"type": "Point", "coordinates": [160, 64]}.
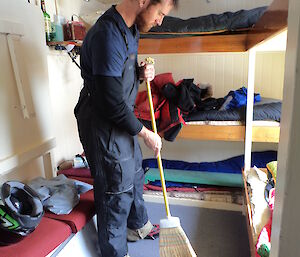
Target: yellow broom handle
{"type": "Point", "coordinates": [159, 162]}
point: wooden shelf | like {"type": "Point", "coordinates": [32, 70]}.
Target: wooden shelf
{"type": "Point", "coordinates": [64, 43]}
{"type": "Point", "coordinates": [229, 133]}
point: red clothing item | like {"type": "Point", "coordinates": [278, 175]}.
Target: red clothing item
{"type": "Point", "coordinates": [167, 115]}
{"type": "Point", "coordinates": [264, 238]}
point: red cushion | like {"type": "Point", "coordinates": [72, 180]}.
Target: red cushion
{"type": "Point", "coordinates": [45, 238]}
{"type": "Point", "coordinates": [83, 172]}
{"type": "Point", "coordinates": [80, 215]}
{"type": "Point", "coordinates": [85, 180]}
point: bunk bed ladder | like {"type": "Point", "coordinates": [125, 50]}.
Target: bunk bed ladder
{"type": "Point", "coordinates": [249, 115]}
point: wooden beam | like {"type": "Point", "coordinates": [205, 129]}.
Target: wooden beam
{"type": "Point", "coordinates": [229, 133]}
{"type": "Point", "coordinates": [20, 159]}
{"type": "Point", "coordinates": [249, 217]}
{"type": "Point", "coordinates": [265, 134]}
{"type": "Point", "coordinates": [272, 22]}
{"type": "Point", "coordinates": [196, 44]}
{"type": "Point", "coordinates": [211, 132]}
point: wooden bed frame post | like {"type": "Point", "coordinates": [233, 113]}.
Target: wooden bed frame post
{"type": "Point", "coordinates": [249, 116]}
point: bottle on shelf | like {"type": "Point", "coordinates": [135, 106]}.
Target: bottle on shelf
{"type": "Point", "coordinates": [47, 20]}
{"type": "Point", "coordinates": [58, 24]}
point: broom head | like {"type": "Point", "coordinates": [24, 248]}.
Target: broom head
{"type": "Point", "coordinates": [172, 240]}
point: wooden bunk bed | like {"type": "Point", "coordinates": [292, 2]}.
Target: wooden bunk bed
{"type": "Point", "coordinates": [272, 22]}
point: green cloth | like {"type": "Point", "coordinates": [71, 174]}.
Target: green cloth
{"type": "Point", "coordinates": [272, 168]}
{"type": "Point", "coordinates": [196, 177]}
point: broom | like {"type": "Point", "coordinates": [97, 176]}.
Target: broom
{"type": "Point", "coordinates": [172, 240]}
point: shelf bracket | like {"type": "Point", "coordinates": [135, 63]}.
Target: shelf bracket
{"type": "Point", "coordinates": [10, 40]}
{"type": "Point", "coordinates": [14, 31]}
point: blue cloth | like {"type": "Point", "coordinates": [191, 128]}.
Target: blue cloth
{"type": "Point", "coordinates": [196, 177]}
{"type": "Point", "coordinates": [239, 98]}
{"type": "Point", "coordinates": [231, 165]}
{"type": "Point", "coordinates": [174, 184]}
{"type": "Point", "coordinates": [229, 21]}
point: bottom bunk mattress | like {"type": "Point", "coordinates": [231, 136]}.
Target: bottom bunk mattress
{"type": "Point", "coordinates": [221, 173]}
{"type": "Point", "coordinates": [219, 181]}
{"type": "Point", "coordinates": [196, 177]}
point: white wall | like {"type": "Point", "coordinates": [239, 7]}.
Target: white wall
{"type": "Point", "coordinates": [19, 135]}
{"type": "Point", "coordinates": [65, 83]}
{"type": "Point", "coordinates": [225, 71]}
{"type": "Point", "coordinates": [269, 74]}
{"type": "Point", "coordinates": [186, 9]}
{"type": "Point", "coordinates": [194, 8]}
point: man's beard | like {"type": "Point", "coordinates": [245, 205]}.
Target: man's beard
{"type": "Point", "coordinates": [142, 24]}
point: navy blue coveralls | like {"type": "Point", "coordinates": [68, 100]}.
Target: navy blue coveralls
{"type": "Point", "coordinates": [109, 138]}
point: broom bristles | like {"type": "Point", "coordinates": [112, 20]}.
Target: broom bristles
{"type": "Point", "coordinates": [173, 242]}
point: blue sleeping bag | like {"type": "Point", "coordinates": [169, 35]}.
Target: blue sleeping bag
{"type": "Point", "coordinates": [220, 173]}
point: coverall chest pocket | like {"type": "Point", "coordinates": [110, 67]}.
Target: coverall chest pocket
{"type": "Point", "coordinates": [119, 174]}
{"type": "Point", "coordinates": [129, 77]}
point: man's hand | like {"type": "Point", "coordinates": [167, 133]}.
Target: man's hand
{"type": "Point", "coordinates": [151, 140]}
{"type": "Point", "coordinates": [147, 71]}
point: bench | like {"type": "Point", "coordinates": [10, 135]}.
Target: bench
{"type": "Point", "coordinates": [80, 215]}
{"type": "Point", "coordinates": [45, 238]}
{"type": "Point", "coordinates": [54, 229]}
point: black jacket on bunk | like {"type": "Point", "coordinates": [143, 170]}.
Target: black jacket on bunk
{"type": "Point", "coordinates": [188, 97]}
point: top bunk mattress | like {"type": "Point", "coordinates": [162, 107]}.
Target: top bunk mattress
{"type": "Point", "coordinates": [266, 110]}
{"type": "Point", "coordinates": [226, 22]}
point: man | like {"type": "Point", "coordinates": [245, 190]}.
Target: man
{"type": "Point", "coordinates": [107, 126]}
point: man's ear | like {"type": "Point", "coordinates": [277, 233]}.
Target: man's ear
{"type": "Point", "coordinates": [143, 3]}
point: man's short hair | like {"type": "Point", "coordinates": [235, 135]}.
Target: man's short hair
{"type": "Point", "coordinates": [175, 2]}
